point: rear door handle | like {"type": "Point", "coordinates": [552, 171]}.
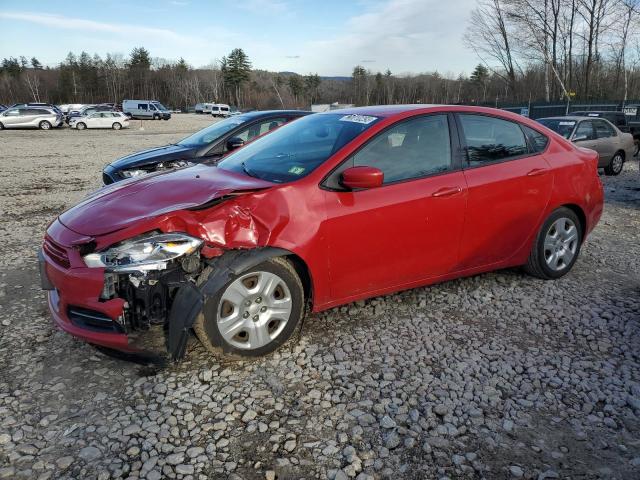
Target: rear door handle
{"type": "Point", "coordinates": [537, 172]}
{"type": "Point", "coordinates": [446, 192]}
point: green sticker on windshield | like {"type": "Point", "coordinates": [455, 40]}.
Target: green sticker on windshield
{"type": "Point", "coordinates": [296, 170]}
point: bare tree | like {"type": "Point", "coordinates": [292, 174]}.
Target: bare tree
{"type": "Point", "coordinates": [489, 37]}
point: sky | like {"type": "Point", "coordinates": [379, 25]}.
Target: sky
{"type": "Point", "coordinates": [328, 37]}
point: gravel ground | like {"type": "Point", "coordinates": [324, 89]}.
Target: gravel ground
{"type": "Point", "coordinates": [496, 376]}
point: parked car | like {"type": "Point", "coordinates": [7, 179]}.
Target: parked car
{"type": "Point", "coordinates": [206, 145]}
{"type": "Point", "coordinates": [332, 208]}
{"type": "Point", "coordinates": [88, 110]}
{"type": "Point", "coordinates": [199, 108]}
{"type": "Point", "coordinates": [146, 109]}
{"type": "Point", "coordinates": [2, 107]}
{"type": "Point", "coordinates": [114, 120]}
{"type": "Point", "coordinates": [220, 110]}
{"type": "Point", "coordinates": [613, 146]}
{"type": "Point", "coordinates": [43, 118]}
{"type": "Point", "coordinates": [625, 123]}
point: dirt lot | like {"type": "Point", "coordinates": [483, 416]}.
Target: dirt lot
{"type": "Point", "coordinates": [495, 376]}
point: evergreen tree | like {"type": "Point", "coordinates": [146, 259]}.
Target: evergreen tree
{"type": "Point", "coordinates": [236, 69]}
{"type": "Point", "coordinates": [35, 63]}
{"type": "Point", "coordinates": [296, 86]}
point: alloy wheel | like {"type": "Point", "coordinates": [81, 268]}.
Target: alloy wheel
{"type": "Point", "coordinates": [617, 163]}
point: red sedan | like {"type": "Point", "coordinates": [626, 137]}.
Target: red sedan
{"type": "Point", "coordinates": [332, 208]}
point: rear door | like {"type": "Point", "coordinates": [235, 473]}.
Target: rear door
{"type": "Point", "coordinates": [606, 138]}
{"type": "Point", "coordinates": [509, 184]}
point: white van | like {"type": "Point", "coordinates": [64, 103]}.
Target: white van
{"type": "Point", "coordinates": [146, 109]}
{"type": "Point", "coordinates": [220, 110]}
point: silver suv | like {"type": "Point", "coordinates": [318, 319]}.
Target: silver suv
{"type": "Point", "coordinates": [30, 117]}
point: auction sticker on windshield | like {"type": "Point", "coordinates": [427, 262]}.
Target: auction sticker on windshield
{"type": "Point", "coordinates": [365, 119]}
{"type": "Point", "coordinates": [296, 170]}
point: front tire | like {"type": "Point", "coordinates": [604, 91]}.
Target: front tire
{"type": "Point", "coordinates": [81, 126]}
{"type": "Point", "coordinates": [156, 117]}
{"type": "Point", "coordinates": [1, 126]}
{"type": "Point", "coordinates": [116, 126]}
{"type": "Point", "coordinates": [255, 313]}
{"type": "Point", "coordinates": [615, 165]}
{"type": "Point", "coordinates": [557, 245]}
{"type": "Point", "coordinates": [44, 125]}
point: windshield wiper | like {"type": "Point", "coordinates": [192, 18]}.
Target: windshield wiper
{"type": "Point", "coordinates": [246, 170]}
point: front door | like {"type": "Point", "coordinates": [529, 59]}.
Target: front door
{"type": "Point", "coordinates": [406, 230]}
{"type": "Point", "coordinates": [509, 185]}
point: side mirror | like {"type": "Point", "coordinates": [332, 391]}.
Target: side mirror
{"type": "Point", "coordinates": [579, 138]}
{"type": "Point", "coordinates": [362, 177]}
{"type": "Point", "coordinates": [234, 142]}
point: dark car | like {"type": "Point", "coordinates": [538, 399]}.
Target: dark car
{"type": "Point", "coordinates": [205, 145]}
{"type": "Point", "coordinates": [2, 107]}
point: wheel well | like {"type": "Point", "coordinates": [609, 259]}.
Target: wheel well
{"type": "Point", "coordinates": [622, 152]}
{"type": "Point", "coordinates": [303, 272]}
{"type": "Point", "coordinates": [580, 214]}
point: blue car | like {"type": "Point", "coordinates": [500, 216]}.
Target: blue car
{"type": "Point", "coordinates": [206, 146]}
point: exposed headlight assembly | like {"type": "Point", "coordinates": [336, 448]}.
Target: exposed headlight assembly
{"type": "Point", "coordinates": [133, 173]}
{"type": "Point", "coordinates": [144, 254]}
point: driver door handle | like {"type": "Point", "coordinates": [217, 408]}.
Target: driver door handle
{"type": "Point", "coordinates": [536, 172]}
{"type": "Point", "coordinates": [446, 192]}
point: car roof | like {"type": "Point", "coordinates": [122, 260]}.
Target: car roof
{"type": "Point", "coordinates": [272, 113]}
{"type": "Point", "coordinates": [385, 111]}
{"type": "Point", "coordinates": [570, 118]}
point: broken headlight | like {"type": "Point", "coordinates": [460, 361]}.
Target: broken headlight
{"type": "Point", "coordinates": [143, 254]}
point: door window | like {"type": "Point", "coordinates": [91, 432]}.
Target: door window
{"type": "Point", "coordinates": [259, 128]}
{"type": "Point", "coordinates": [411, 149]}
{"type": "Point", "coordinates": [491, 139]}
{"type": "Point", "coordinates": [603, 129]}
{"type": "Point", "coordinates": [142, 106]}
{"type": "Point", "coordinates": [14, 112]}
{"type": "Point", "coordinates": [585, 131]}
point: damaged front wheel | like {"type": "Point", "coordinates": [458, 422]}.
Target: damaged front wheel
{"type": "Point", "coordinates": [255, 312]}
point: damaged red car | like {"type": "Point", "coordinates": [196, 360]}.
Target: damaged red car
{"type": "Point", "coordinates": [332, 208]}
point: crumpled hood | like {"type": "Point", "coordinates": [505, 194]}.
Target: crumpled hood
{"type": "Point", "coordinates": [155, 155]}
{"type": "Point", "coordinates": [120, 205]}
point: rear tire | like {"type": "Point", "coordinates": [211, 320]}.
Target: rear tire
{"type": "Point", "coordinates": [81, 126]}
{"type": "Point", "coordinates": [615, 165]}
{"type": "Point", "coordinates": [249, 316]}
{"type": "Point", "coordinates": [116, 126]}
{"type": "Point", "coordinates": [44, 125]}
{"type": "Point", "coordinates": [557, 245]}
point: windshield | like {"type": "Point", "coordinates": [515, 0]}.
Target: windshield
{"type": "Point", "coordinates": [212, 133]}
{"type": "Point", "coordinates": [298, 148]}
{"type": "Point", "coordinates": [160, 106]}
{"type": "Point", "coordinates": [563, 127]}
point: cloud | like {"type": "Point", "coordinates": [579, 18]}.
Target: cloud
{"type": "Point", "coordinates": [179, 3]}
{"type": "Point", "coordinates": [264, 7]}
{"type": "Point", "coordinates": [403, 35]}
{"type": "Point", "coordinates": [80, 24]}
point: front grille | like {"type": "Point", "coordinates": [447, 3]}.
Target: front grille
{"type": "Point", "coordinates": [56, 252]}
{"type": "Point", "coordinates": [92, 320]}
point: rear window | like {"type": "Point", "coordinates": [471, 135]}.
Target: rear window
{"type": "Point", "coordinates": [559, 125]}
